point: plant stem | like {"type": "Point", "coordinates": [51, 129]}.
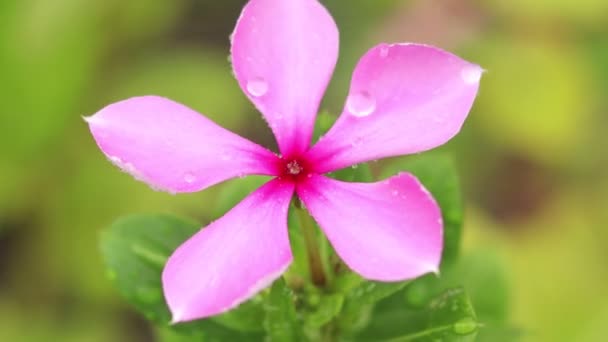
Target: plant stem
{"type": "Point", "coordinates": [314, 258]}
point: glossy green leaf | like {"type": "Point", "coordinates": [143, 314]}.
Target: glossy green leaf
{"type": "Point", "coordinates": [452, 317]}
{"type": "Point", "coordinates": [234, 191]}
{"type": "Point", "coordinates": [248, 316]}
{"type": "Point", "coordinates": [369, 292]}
{"type": "Point", "coordinates": [361, 299]}
{"type": "Point", "coordinates": [448, 317]}
{"type": "Point", "coordinates": [328, 308]}
{"type": "Point", "coordinates": [298, 272]}
{"type": "Point", "coordinates": [438, 174]}
{"type": "Point", "coordinates": [135, 249]}
{"type": "Point", "coordinates": [323, 123]}
{"type": "Point", "coordinates": [281, 323]}
{"type": "Point", "coordinates": [474, 272]}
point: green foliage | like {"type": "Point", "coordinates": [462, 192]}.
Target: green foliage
{"type": "Point", "coordinates": [328, 308]}
{"type": "Point", "coordinates": [447, 317]}
{"type": "Point", "coordinates": [541, 102]}
{"type": "Point", "coordinates": [281, 323]}
{"type": "Point", "coordinates": [136, 248]}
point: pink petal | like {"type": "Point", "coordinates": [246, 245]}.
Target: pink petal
{"type": "Point", "coordinates": [404, 98]}
{"type": "Point", "coordinates": [389, 231]}
{"type": "Point", "coordinates": [173, 148]}
{"type": "Point", "coordinates": [233, 258]}
{"type": "Point", "coordinates": [283, 55]}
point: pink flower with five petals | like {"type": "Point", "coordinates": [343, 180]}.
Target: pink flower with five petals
{"type": "Point", "coordinates": [403, 99]}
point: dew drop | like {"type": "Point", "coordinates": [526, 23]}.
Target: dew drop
{"type": "Point", "coordinates": [257, 87]}
{"type": "Point", "coordinates": [384, 51]}
{"type": "Point", "coordinates": [356, 142]}
{"type": "Point", "coordinates": [361, 104]}
{"type": "Point", "coordinates": [465, 326]}
{"type": "Point", "coordinates": [471, 74]}
{"type": "Point", "coordinates": [189, 178]}
{"type": "Point", "coordinates": [395, 192]}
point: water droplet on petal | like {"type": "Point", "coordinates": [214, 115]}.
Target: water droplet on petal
{"type": "Point", "coordinates": [395, 192]}
{"type": "Point", "coordinates": [356, 142]}
{"type": "Point", "coordinates": [471, 74]}
{"type": "Point", "coordinates": [189, 178]}
{"type": "Point", "coordinates": [384, 51]}
{"type": "Point", "coordinates": [361, 104]}
{"type": "Point", "coordinates": [257, 87]}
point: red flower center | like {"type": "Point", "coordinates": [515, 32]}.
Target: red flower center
{"type": "Point", "coordinates": [294, 168]}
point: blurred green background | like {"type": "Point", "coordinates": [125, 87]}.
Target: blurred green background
{"type": "Point", "coordinates": [533, 154]}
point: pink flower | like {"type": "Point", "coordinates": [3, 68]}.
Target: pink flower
{"type": "Point", "coordinates": [404, 98]}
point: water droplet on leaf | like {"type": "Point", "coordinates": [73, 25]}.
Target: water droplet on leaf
{"type": "Point", "coordinates": [257, 87]}
{"type": "Point", "coordinates": [465, 326]}
{"type": "Point", "coordinates": [361, 104]}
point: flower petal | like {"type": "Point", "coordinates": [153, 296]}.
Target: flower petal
{"type": "Point", "coordinates": [404, 98]}
{"type": "Point", "coordinates": [173, 148]}
{"type": "Point", "coordinates": [389, 231]}
{"type": "Point", "coordinates": [233, 258]}
{"type": "Point", "coordinates": [283, 55]}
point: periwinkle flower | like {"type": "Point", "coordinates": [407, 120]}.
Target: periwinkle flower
{"type": "Point", "coordinates": [403, 99]}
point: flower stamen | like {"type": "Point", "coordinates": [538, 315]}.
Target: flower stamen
{"type": "Point", "coordinates": [294, 168]}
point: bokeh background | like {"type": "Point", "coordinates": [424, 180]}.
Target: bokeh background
{"type": "Point", "coordinates": [533, 154]}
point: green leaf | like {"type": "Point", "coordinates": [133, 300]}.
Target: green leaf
{"type": "Point", "coordinates": [360, 300]}
{"type": "Point", "coordinates": [474, 271]}
{"type": "Point", "coordinates": [298, 272]}
{"type": "Point", "coordinates": [452, 317]}
{"type": "Point", "coordinates": [135, 249]}
{"type": "Point", "coordinates": [248, 316]}
{"type": "Point", "coordinates": [281, 323]}
{"type": "Point", "coordinates": [328, 307]}
{"type": "Point", "coordinates": [449, 317]}
{"type": "Point", "coordinates": [323, 123]}
{"type": "Point", "coordinates": [234, 191]}
{"type": "Point", "coordinates": [438, 175]}
{"type": "Point", "coordinates": [355, 173]}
